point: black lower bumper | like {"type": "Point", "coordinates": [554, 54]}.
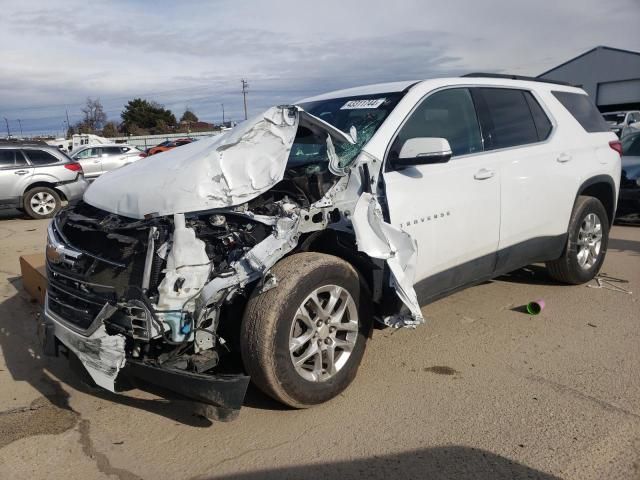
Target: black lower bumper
{"type": "Point", "coordinates": [217, 396]}
{"type": "Point", "coordinates": [225, 393]}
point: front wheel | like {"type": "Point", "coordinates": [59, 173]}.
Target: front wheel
{"type": "Point", "coordinates": [302, 341]}
{"type": "Point", "coordinates": [587, 241]}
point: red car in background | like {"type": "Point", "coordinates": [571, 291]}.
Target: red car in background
{"type": "Point", "coordinates": [168, 145]}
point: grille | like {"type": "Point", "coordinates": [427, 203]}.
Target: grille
{"type": "Point", "coordinates": [112, 262]}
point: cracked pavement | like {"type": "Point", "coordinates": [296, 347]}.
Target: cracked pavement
{"type": "Point", "coordinates": [481, 391]}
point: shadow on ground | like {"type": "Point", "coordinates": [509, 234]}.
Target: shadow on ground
{"type": "Point", "coordinates": [439, 463]}
{"type": "Point", "coordinates": [50, 375]}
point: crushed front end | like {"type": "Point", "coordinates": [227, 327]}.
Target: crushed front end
{"type": "Point", "coordinates": [121, 298]}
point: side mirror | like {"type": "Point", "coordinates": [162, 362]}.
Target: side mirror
{"type": "Point", "coordinates": [424, 150]}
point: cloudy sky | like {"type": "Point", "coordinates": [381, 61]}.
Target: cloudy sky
{"type": "Point", "coordinates": [194, 53]}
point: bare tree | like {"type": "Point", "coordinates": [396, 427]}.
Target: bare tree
{"type": "Point", "coordinates": [94, 116]}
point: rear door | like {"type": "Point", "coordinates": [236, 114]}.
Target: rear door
{"type": "Point", "coordinates": [535, 174]}
{"type": "Point", "coordinates": [14, 175]}
{"type": "Point", "coordinates": [451, 209]}
{"type": "Point", "coordinates": [91, 161]}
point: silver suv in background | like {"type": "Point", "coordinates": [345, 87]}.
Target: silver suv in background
{"type": "Point", "coordinates": [37, 178]}
{"type": "Point", "coordinates": [98, 159]}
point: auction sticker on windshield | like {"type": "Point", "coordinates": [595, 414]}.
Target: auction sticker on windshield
{"type": "Point", "coordinates": [356, 104]}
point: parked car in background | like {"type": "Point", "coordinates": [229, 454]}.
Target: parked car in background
{"type": "Point", "coordinates": [98, 159]}
{"type": "Point", "coordinates": [37, 178]}
{"type": "Point", "coordinates": [623, 123]}
{"type": "Point", "coordinates": [168, 145]}
{"type": "Point", "coordinates": [629, 201]}
{"type": "Point", "coordinates": [283, 239]}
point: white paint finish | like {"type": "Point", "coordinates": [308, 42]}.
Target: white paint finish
{"type": "Point", "coordinates": [379, 239]}
{"type": "Point", "coordinates": [101, 354]}
{"type": "Point", "coordinates": [453, 216]}
{"type": "Point", "coordinates": [212, 173]}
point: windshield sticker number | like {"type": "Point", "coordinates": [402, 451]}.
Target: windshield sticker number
{"type": "Point", "coordinates": [358, 104]}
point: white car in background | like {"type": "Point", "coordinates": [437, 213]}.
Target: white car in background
{"type": "Point", "coordinates": [98, 159]}
{"type": "Point", "coordinates": [623, 123]}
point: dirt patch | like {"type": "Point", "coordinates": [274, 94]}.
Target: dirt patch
{"type": "Point", "coordinates": [42, 417]}
{"type": "Point", "coordinates": [440, 370]}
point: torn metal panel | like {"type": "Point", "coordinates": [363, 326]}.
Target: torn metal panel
{"type": "Point", "coordinates": [215, 172]}
{"type": "Point", "coordinates": [379, 239]}
{"type": "Point", "coordinates": [101, 354]}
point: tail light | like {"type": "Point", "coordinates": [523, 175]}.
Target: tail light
{"type": "Point", "coordinates": [142, 155]}
{"type": "Point", "coordinates": [616, 145]}
{"type": "Point", "coordinates": [73, 166]}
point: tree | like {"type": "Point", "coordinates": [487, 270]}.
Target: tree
{"type": "Point", "coordinates": [188, 116]}
{"type": "Point", "coordinates": [110, 129]}
{"type": "Point", "coordinates": [94, 116]}
{"type": "Point", "coordinates": [146, 115]}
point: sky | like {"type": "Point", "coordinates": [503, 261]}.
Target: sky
{"type": "Point", "coordinates": [193, 53]}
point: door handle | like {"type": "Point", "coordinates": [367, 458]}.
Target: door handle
{"type": "Point", "coordinates": [96, 161]}
{"type": "Point", "coordinates": [483, 174]}
{"type": "Point", "coordinates": [564, 158]}
{"type": "Point", "coordinates": [21, 172]}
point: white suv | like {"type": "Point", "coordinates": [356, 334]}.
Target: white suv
{"type": "Point", "coordinates": [284, 239]}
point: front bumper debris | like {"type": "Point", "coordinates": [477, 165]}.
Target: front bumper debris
{"type": "Point", "coordinates": [103, 357]}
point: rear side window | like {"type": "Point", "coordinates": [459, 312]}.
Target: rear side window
{"type": "Point", "coordinates": [583, 110]}
{"type": "Point", "coordinates": [542, 122]}
{"type": "Point", "coordinates": [506, 118]}
{"type": "Point", "coordinates": [40, 157]}
{"type": "Point", "coordinates": [11, 158]}
{"type": "Point", "coordinates": [112, 150]}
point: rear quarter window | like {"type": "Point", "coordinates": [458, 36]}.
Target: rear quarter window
{"type": "Point", "coordinates": [40, 157]}
{"type": "Point", "coordinates": [583, 110]}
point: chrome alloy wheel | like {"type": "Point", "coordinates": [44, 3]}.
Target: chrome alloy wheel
{"type": "Point", "coordinates": [323, 333]}
{"type": "Point", "coordinates": [43, 203]}
{"type": "Point", "coordinates": [589, 241]}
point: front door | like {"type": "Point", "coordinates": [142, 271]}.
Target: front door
{"type": "Point", "coordinates": [451, 209]}
{"type": "Point", "coordinates": [14, 175]}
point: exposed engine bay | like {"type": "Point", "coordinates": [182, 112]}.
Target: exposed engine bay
{"type": "Point", "coordinates": [151, 291]}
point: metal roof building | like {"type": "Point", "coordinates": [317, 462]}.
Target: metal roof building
{"type": "Point", "coordinates": [611, 77]}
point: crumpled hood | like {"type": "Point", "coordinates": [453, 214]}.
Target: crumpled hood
{"type": "Point", "coordinates": [216, 172]}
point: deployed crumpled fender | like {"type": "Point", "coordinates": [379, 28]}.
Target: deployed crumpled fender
{"type": "Point", "coordinates": [379, 239]}
{"type": "Point", "coordinates": [217, 172]}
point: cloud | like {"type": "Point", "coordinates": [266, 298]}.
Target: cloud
{"type": "Point", "coordinates": [195, 52]}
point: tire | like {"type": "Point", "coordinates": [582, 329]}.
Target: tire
{"type": "Point", "coordinates": [272, 322]}
{"type": "Point", "coordinates": [41, 202]}
{"type": "Point", "coordinates": [568, 268]}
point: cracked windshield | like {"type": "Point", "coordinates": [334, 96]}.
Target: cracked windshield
{"type": "Point", "coordinates": [365, 113]}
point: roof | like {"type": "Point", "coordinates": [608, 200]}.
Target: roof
{"type": "Point", "coordinates": [375, 88]}
{"type": "Point", "coordinates": [600, 47]}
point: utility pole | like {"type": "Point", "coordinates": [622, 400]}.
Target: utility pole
{"type": "Point", "coordinates": [222, 114]}
{"type": "Point", "coordinates": [68, 124]}
{"type": "Point", "coordinates": [245, 86]}
{"type": "Point", "coordinates": [20, 123]}
{"type": "Point", "coordinates": [8, 131]}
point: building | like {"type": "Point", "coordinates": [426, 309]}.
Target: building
{"type": "Point", "coordinates": [611, 77]}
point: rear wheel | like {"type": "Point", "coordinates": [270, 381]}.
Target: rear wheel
{"type": "Point", "coordinates": [302, 341]}
{"type": "Point", "coordinates": [41, 202]}
{"type": "Point", "coordinates": [587, 241]}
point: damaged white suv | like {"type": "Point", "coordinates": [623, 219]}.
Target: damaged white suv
{"type": "Point", "coordinates": [283, 240]}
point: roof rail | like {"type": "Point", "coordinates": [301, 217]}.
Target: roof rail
{"type": "Point", "coordinates": [516, 77]}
